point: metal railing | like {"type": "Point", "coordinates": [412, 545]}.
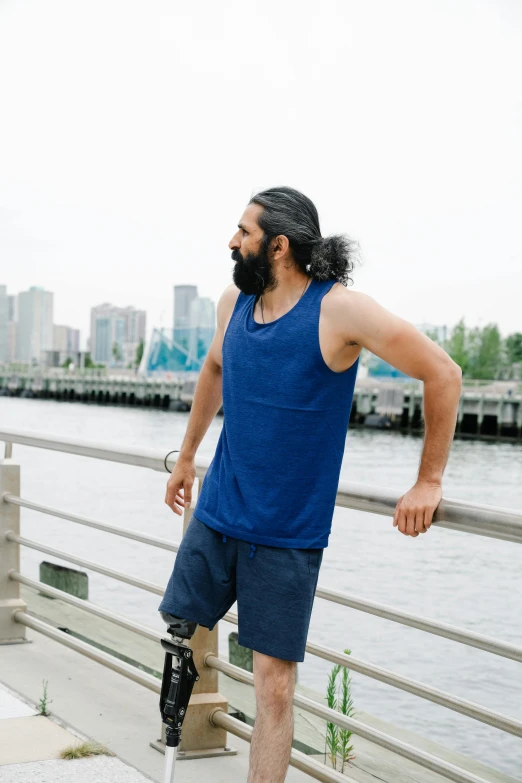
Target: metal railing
{"type": "Point", "coordinates": [476, 519]}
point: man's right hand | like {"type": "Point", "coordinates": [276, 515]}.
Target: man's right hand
{"type": "Point", "coordinates": [179, 485]}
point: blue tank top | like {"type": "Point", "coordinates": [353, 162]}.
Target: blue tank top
{"type": "Point", "coordinates": [274, 476]}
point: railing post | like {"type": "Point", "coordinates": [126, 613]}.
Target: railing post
{"type": "Point", "coordinates": [199, 737]}
{"type": "Point", "coordinates": [10, 631]}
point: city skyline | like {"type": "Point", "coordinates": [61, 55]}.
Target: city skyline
{"type": "Point", "coordinates": [193, 309]}
{"type": "Point", "coordinates": [28, 329]}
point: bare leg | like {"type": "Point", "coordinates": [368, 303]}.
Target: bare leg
{"type": "Point", "coordinates": [274, 683]}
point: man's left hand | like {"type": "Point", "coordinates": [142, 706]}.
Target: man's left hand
{"type": "Point", "coordinates": [414, 510]}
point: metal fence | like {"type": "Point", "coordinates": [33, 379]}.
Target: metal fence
{"type": "Point", "coordinates": [471, 518]}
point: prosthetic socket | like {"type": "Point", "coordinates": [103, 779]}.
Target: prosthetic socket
{"type": "Point", "coordinates": [179, 676]}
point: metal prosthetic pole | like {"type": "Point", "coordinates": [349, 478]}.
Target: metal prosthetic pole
{"type": "Point", "coordinates": [179, 676]}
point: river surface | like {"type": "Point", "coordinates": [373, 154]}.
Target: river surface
{"type": "Point", "coordinates": [467, 580]}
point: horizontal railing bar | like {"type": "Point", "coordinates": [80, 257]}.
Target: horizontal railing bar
{"type": "Point", "coordinates": [435, 695]}
{"type": "Point", "coordinates": [383, 675]}
{"type": "Point", "coordinates": [119, 575]}
{"type": "Point", "coordinates": [445, 630]}
{"type": "Point", "coordinates": [161, 543]}
{"type": "Point", "coordinates": [487, 643]}
{"type": "Point", "coordinates": [298, 759]}
{"type": "Point", "coordinates": [87, 606]}
{"type": "Point", "coordinates": [467, 708]}
{"type": "Point", "coordinates": [152, 683]}
{"type": "Point", "coordinates": [374, 672]}
{"type": "Point", "coordinates": [460, 515]}
{"type": "Point", "coordinates": [426, 760]}
{"type": "Point", "coordinates": [479, 519]}
{"type": "Point", "coordinates": [131, 672]}
{"type": "Point", "coordinates": [127, 455]}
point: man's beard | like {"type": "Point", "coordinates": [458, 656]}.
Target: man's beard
{"type": "Point", "coordinates": [253, 274]}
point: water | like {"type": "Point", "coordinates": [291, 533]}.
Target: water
{"type": "Point", "coordinates": [466, 580]}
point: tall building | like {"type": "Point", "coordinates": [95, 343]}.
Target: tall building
{"type": "Point", "coordinates": [34, 332]}
{"type": "Point", "coordinates": [12, 318]}
{"type": "Point", "coordinates": [202, 324]}
{"type": "Point", "coordinates": [12, 307]}
{"type": "Point", "coordinates": [183, 297]}
{"type": "Point", "coordinates": [12, 327]}
{"type": "Point", "coordinates": [116, 333]}
{"type": "Point", "coordinates": [66, 339]}
{"type": "Point", "coordinates": [4, 320]}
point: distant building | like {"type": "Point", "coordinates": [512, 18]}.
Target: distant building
{"type": "Point", "coordinates": [378, 368]}
{"type": "Point", "coordinates": [4, 320]}
{"type": "Point", "coordinates": [12, 328]}
{"type": "Point", "coordinates": [12, 307]}
{"type": "Point", "coordinates": [202, 327]}
{"type": "Point", "coordinates": [440, 333]}
{"type": "Point", "coordinates": [185, 347]}
{"type": "Point", "coordinates": [34, 332]}
{"type": "Point", "coordinates": [115, 334]}
{"type": "Point", "coordinates": [66, 339]}
{"type": "Point", "coordinates": [12, 318]}
{"type": "Point", "coordinates": [184, 295]}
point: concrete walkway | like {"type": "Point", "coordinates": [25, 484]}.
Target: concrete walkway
{"type": "Point", "coordinates": [90, 701]}
{"type": "Point", "coordinates": [31, 744]}
{"type": "Point", "coordinates": [93, 702]}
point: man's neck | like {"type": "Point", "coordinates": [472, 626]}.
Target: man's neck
{"type": "Point", "coordinates": [287, 292]}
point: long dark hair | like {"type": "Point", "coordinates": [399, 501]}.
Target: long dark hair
{"type": "Point", "coordinates": [288, 211]}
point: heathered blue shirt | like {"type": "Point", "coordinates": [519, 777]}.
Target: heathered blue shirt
{"type": "Point", "coordinates": [274, 476]}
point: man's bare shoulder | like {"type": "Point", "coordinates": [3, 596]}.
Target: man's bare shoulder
{"type": "Point", "coordinates": [231, 292]}
{"type": "Point", "coordinates": [350, 313]}
{"type": "Point", "coordinates": [226, 304]}
{"type": "Point", "coordinates": [342, 300]}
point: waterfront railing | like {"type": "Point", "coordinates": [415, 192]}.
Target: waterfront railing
{"type": "Point", "coordinates": [472, 518]}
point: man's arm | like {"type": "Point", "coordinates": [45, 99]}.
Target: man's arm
{"type": "Point", "coordinates": [206, 403]}
{"type": "Point", "coordinates": [402, 345]}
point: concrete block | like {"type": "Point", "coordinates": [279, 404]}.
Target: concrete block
{"type": "Point", "coordinates": [64, 578]}
{"type": "Point", "coordinates": [239, 655]}
{"type": "Point", "coordinates": [197, 732]}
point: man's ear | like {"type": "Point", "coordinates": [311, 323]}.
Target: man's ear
{"type": "Point", "coordinates": [281, 246]}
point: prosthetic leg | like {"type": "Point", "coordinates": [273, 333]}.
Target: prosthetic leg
{"type": "Point", "coordinates": [179, 676]}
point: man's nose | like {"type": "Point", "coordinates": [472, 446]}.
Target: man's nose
{"type": "Point", "coordinates": [234, 242]}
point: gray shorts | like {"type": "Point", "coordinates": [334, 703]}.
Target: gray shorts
{"type": "Point", "coordinates": [274, 588]}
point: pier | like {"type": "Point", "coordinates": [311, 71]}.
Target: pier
{"type": "Point", "coordinates": [486, 409]}
{"type": "Point", "coordinates": [106, 668]}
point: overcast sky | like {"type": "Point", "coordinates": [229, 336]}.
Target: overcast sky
{"type": "Point", "coordinates": [132, 135]}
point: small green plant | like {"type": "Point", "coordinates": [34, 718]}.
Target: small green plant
{"type": "Point", "coordinates": [338, 740]}
{"type": "Point", "coordinates": [89, 748]}
{"type": "Point", "coordinates": [44, 701]}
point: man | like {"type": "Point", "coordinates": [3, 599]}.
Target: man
{"type": "Point", "coordinates": [283, 363]}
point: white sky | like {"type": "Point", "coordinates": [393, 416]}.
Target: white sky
{"type": "Point", "coordinates": [132, 135]}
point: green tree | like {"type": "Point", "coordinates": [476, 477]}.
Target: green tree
{"type": "Point", "coordinates": [139, 353]}
{"type": "Point", "coordinates": [433, 335]}
{"type": "Point", "coordinates": [89, 364]}
{"type": "Point", "coordinates": [117, 352]}
{"type": "Point", "coordinates": [486, 353]}
{"type": "Point", "coordinates": [457, 346]}
{"type": "Point", "coordinates": [514, 347]}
